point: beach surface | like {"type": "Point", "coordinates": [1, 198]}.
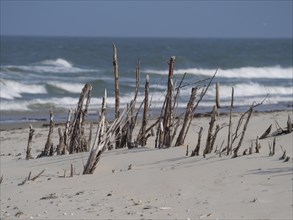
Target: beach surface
{"type": "Point", "coordinates": [150, 183]}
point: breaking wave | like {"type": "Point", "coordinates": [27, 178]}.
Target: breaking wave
{"type": "Point", "coordinates": [275, 72]}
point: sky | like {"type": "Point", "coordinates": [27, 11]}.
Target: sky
{"type": "Point", "coordinates": [209, 18]}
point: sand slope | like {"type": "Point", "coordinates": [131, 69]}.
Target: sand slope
{"type": "Point", "coordinates": [161, 184]}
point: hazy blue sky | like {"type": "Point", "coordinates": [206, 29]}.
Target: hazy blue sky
{"type": "Point", "coordinates": [148, 18]}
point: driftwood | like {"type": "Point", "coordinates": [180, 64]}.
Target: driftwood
{"type": "Point", "coordinates": [284, 157]}
{"type": "Point", "coordinates": [272, 148]}
{"type": "Point", "coordinates": [61, 149]}
{"type": "Point", "coordinates": [187, 117]}
{"type": "Point", "coordinates": [195, 152]}
{"type": "Point", "coordinates": [243, 131]}
{"type": "Point", "coordinates": [284, 154]}
{"type": "Point", "coordinates": [229, 145]}
{"type": "Point", "coordinates": [29, 143]}
{"type": "Point", "coordinates": [117, 95]}
{"type": "Point", "coordinates": [67, 129]}
{"type": "Point", "coordinates": [203, 92]}
{"type": "Point", "coordinates": [257, 145]}
{"type": "Point", "coordinates": [208, 148]}
{"type": "Point", "coordinates": [31, 179]}
{"type": "Point", "coordinates": [77, 134]}
{"type": "Point", "coordinates": [250, 148]}
{"type": "Point", "coordinates": [218, 95]}
{"type": "Point", "coordinates": [131, 119]}
{"type": "Point", "coordinates": [289, 124]}
{"type": "Point", "coordinates": [97, 150]}
{"type": "Point", "coordinates": [49, 143]}
{"type": "Point", "coordinates": [160, 129]}
{"type": "Point", "coordinates": [145, 112]}
{"type": "Point", "coordinates": [214, 136]}
{"type": "Point", "coordinates": [168, 115]}
{"type": "Point", "coordinates": [266, 133]}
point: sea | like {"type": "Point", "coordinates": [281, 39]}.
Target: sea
{"type": "Point", "coordinates": [38, 74]}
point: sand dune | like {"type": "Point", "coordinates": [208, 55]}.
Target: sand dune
{"type": "Point", "coordinates": [149, 183]}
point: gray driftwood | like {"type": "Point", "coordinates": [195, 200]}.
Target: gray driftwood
{"type": "Point", "coordinates": [29, 143]}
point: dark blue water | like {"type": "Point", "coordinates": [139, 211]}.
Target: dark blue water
{"type": "Point", "coordinates": [41, 73]}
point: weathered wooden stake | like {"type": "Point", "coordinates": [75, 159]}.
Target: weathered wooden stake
{"type": "Point", "coordinates": [117, 95]}
{"type": "Point", "coordinates": [218, 95]}
{"type": "Point", "coordinates": [137, 79]}
{"type": "Point", "coordinates": [168, 116]}
{"type": "Point", "coordinates": [257, 145]}
{"type": "Point", "coordinates": [243, 131]}
{"type": "Point", "coordinates": [187, 150]}
{"type": "Point", "coordinates": [29, 143]}
{"type": "Point", "coordinates": [71, 170]}
{"type": "Point", "coordinates": [208, 148]}
{"type": "Point", "coordinates": [203, 92]}
{"type": "Point", "coordinates": [266, 133]}
{"type": "Point", "coordinates": [145, 111]}
{"type": "Point", "coordinates": [188, 115]}
{"type": "Point", "coordinates": [67, 129]}
{"type": "Point", "coordinates": [79, 120]}
{"type": "Point", "coordinates": [229, 145]}
{"type": "Point", "coordinates": [49, 143]}
{"type": "Point", "coordinates": [195, 152]}
{"type": "Point", "coordinates": [289, 124]}
{"type": "Point", "coordinates": [61, 146]}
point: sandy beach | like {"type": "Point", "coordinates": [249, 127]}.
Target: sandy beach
{"type": "Point", "coordinates": [150, 183]}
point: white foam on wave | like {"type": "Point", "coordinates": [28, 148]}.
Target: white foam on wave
{"type": "Point", "coordinates": [49, 66]}
{"type": "Point", "coordinates": [69, 87]}
{"type": "Point", "coordinates": [157, 102]}
{"type": "Point", "coordinates": [251, 89]}
{"type": "Point", "coordinates": [12, 89]}
{"type": "Point", "coordinates": [58, 62]}
{"type": "Point", "coordinates": [275, 72]}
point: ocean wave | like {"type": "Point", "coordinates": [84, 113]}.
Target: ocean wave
{"type": "Point", "coordinates": [68, 87]}
{"type": "Point", "coordinates": [47, 66]}
{"type": "Point", "coordinates": [58, 62]}
{"type": "Point", "coordinates": [249, 90]}
{"type": "Point", "coordinates": [275, 72]}
{"type": "Point", "coordinates": [12, 89]}
{"type": "Point", "coordinates": [157, 102]}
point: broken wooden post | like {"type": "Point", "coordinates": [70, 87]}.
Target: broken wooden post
{"type": "Point", "coordinates": [229, 145]}
{"type": "Point", "coordinates": [137, 79]}
{"type": "Point", "coordinates": [186, 154]}
{"type": "Point", "coordinates": [71, 170]}
{"type": "Point", "coordinates": [98, 148]}
{"type": "Point", "coordinates": [61, 146]}
{"type": "Point", "coordinates": [208, 148]}
{"type": "Point", "coordinates": [203, 92]}
{"type": "Point", "coordinates": [145, 111]}
{"type": "Point", "coordinates": [272, 148]}
{"type": "Point", "coordinates": [117, 95]}
{"type": "Point", "coordinates": [257, 145]}
{"type": "Point", "coordinates": [168, 116]}
{"type": "Point", "coordinates": [214, 136]}
{"type": "Point", "coordinates": [188, 115]}
{"type": "Point", "coordinates": [49, 143]}
{"type": "Point", "coordinates": [78, 123]}
{"type": "Point", "coordinates": [266, 133]}
{"type": "Point", "coordinates": [29, 143]}
{"type": "Point", "coordinates": [218, 95]}
{"type": "Point", "coordinates": [67, 129]}
{"type": "Point", "coordinates": [195, 152]}
{"type": "Point", "coordinates": [289, 124]}
{"type": "Point", "coordinates": [243, 131]}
